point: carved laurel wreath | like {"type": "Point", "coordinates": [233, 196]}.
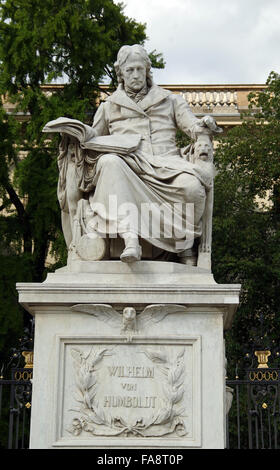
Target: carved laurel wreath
{"type": "Point", "coordinates": [95, 421]}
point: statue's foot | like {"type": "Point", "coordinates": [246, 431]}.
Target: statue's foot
{"type": "Point", "coordinates": [133, 250]}
{"type": "Point", "coordinates": [131, 254]}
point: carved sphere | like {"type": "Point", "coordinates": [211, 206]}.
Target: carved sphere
{"type": "Point", "coordinates": [91, 247]}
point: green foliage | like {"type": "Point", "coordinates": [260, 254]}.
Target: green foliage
{"type": "Point", "coordinates": [157, 60]}
{"type": "Point", "coordinates": [182, 139]}
{"type": "Point", "coordinates": [50, 39]}
{"type": "Point", "coordinates": [246, 225]}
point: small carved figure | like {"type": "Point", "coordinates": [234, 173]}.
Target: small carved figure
{"type": "Point", "coordinates": [129, 319]}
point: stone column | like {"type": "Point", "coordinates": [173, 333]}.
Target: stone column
{"type": "Point", "coordinates": [129, 356]}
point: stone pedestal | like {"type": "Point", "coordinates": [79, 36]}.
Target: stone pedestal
{"type": "Point", "coordinates": [129, 356]}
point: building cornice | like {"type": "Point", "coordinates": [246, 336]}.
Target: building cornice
{"type": "Point", "coordinates": [225, 102]}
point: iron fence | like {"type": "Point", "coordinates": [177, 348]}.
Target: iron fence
{"type": "Point", "coordinates": [253, 421]}
{"type": "Point", "coordinates": [15, 407]}
{"type": "Point", "coordinates": [16, 393]}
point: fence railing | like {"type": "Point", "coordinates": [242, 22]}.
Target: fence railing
{"type": "Point", "coordinates": [253, 421]}
{"type": "Point", "coordinates": [15, 407]}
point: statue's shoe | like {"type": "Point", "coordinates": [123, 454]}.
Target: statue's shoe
{"type": "Point", "coordinates": [131, 254]}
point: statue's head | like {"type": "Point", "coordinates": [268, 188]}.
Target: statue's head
{"type": "Point", "coordinates": [203, 149]}
{"type": "Point", "coordinates": [129, 313]}
{"type": "Point", "coordinates": [133, 67]}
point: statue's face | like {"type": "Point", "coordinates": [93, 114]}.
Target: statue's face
{"type": "Point", "coordinates": [203, 151]}
{"type": "Point", "coordinates": [129, 313]}
{"type": "Point", "coordinates": [134, 73]}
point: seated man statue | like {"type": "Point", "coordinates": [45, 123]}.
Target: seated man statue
{"type": "Point", "coordinates": [152, 192]}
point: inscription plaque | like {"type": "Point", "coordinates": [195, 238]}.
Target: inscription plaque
{"type": "Point", "coordinates": [147, 388]}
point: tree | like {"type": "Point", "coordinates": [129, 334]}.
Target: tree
{"type": "Point", "coordinates": [74, 41]}
{"type": "Point", "coordinates": [246, 225]}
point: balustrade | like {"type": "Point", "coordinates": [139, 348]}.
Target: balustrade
{"type": "Point", "coordinates": [211, 99]}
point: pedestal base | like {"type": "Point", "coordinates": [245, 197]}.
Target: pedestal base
{"type": "Point", "coordinates": [129, 356]}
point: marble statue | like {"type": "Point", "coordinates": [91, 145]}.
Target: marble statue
{"type": "Point", "coordinates": [137, 185]}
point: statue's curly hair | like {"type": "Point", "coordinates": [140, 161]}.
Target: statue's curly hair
{"type": "Point", "coordinates": [124, 53]}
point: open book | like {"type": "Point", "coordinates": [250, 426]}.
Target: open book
{"type": "Point", "coordinates": [117, 143]}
